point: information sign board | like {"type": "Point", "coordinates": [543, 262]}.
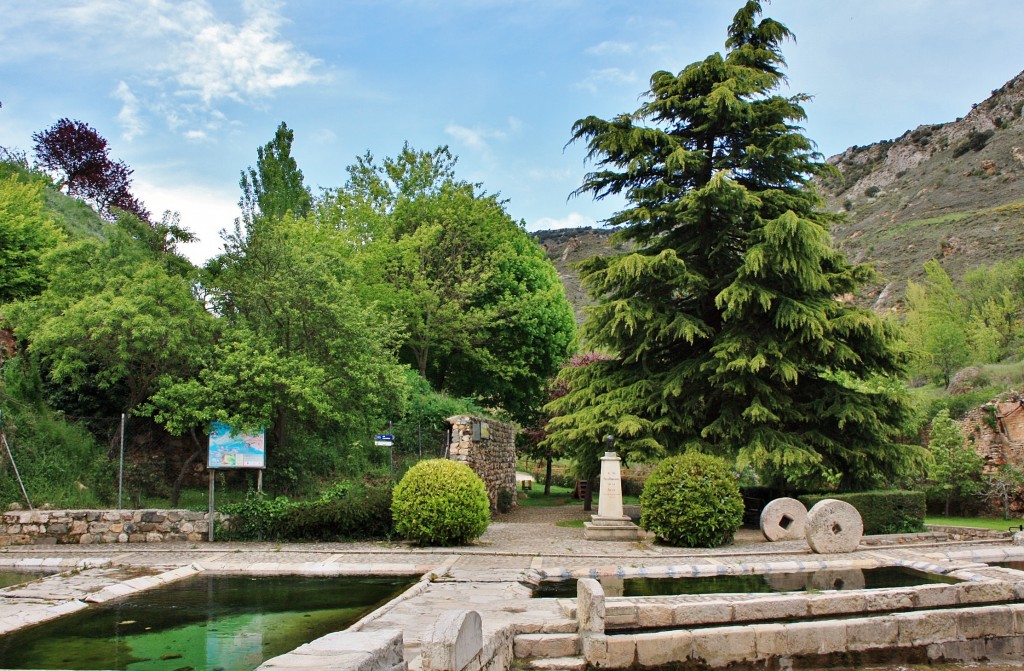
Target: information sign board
{"type": "Point", "coordinates": [236, 450]}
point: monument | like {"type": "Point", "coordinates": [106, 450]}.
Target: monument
{"type": "Point", "coordinates": [609, 524]}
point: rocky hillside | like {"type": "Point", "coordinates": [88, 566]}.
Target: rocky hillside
{"type": "Point", "coordinates": [565, 247]}
{"type": "Point", "coordinates": [952, 192]}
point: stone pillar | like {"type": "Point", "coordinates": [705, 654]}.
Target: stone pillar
{"type": "Point", "coordinates": [609, 523]}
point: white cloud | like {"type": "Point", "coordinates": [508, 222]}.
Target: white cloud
{"type": "Point", "coordinates": [611, 48]}
{"type": "Point", "coordinates": [597, 79]}
{"type": "Point", "coordinates": [572, 220]}
{"type": "Point", "coordinates": [477, 138]}
{"type": "Point", "coordinates": [180, 58]}
{"type": "Point", "coordinates": [204, 210]}
{"type": "Point", "coordinates": [128, 117]}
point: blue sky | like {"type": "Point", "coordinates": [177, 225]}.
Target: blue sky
{"type": "Point", "coordinates": [186, 91]}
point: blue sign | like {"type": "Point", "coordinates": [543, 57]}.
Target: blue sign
{"type": "Point", "coordinates": [236, 450]}
{"type": "Point", "coordinates": [384, 436]}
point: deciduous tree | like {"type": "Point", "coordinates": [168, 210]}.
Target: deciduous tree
{"type": "Point", "coordinates": [76, 151]}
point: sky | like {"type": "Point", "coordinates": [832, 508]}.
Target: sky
{"type": "Point", "coordinates": [185, 91]}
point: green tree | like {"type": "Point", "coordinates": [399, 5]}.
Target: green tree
{"type": "Point", "coordinates": [723, 323]}
{"type": "Point", "coordinates": [26, 232]}
{"type": "Point", "coordinates": [955, 472]}
{"type": "Point", "coordinates": [275, 185]}
{"type": "Point", "coordinates": [113, 318]}
{"type": "Point", "coordinates": [937, 324]}
{"type": "Point", "coordinates": [483, 311]}
{"type": "Point", "coordinates": [300, 345]}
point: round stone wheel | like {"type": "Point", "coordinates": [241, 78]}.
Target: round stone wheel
{"type": "Point", "coordinates": [784, 519]}
{"type": "Point", "coordinates": [833, 526]}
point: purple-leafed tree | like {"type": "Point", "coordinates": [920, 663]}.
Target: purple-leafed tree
{"type": "Point", "coordinates": [74, 150]}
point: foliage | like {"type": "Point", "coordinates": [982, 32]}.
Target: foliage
{"type": "Point", "coordinates": [955, 474]}
{"type": "Point", "coordinates": [692, 500]}
{"type": "Point", "coordinates": [113, 319]}
{"type": "Point", "coordinates": [26, 232]}
{"type": "Point", "coordinates": [722, 323]}
{"type": "Point", "coordinates": [422, 425]}
{"type": "Point", "coordinates": [77, 152]}
{"type": "Point", "coordinates": [440, 502]}
{"type": "Point", "coordinates": [506, 500]}
{"type": "Point", "coordinates": [275, 186]}
{"type": "Point", "coordinates": [483, 312]}
{"type": "Point", "coordinates": [342, 512]}
{"type": "Point", "coordinates": [59, 462]}
{"type": "Point", "coordinates": [1006, 483]}
{"type": "Point", "coordinates": [883, 512]}
{"type": "Point", "coordinates": [977, 322]}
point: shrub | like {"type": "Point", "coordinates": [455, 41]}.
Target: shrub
{"type": "Point", "coordinates": [506, 500]}
{"type": "Point", "coordinates": [440, 502]}
{"type": "Point", "coordinates": [692, 500]}
{"type": "Point", "coordinates": [360, 513]}
{"type": "Point", "coordinates": [342, 511]}
{"type": "Point", "coordinates": [883, 512]}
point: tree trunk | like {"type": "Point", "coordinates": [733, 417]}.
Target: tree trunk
{"type": "Point", "coordinates": [547, 477]}
{"type": "Point", "coordinates": [588, 500]}
{"type": "Point", "coordinates": [176, 491]}
{"type": "Point", "coordinates": [949, 501]}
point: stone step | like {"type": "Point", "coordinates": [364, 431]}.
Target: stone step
{"type": "Point", "coordinates": [546, 645]}
{"type": "Point", "coordinates": [558, 664]}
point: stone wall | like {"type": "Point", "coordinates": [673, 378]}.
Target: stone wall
{"type": "Point", "coordinates": [48, 527]}
{"type": "Point", "coordinates": [997, 432]}
{"type": "Point", "coordinates": [489, 448]}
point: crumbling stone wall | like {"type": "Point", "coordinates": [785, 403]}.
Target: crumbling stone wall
{"type": "Point", "coordinates": [49, 527]}
{"type": "Point", "coordinates": [996, 431]}
{"type": "Point", "coordinates": [489, 448]}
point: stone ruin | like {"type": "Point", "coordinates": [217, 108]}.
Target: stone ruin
{"type": "Point", "coordinates": [489, 448]}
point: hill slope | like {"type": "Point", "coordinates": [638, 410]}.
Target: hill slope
{"type": "Point", "coordinates": [952, 192]}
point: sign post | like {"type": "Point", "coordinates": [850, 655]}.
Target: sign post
{"type": "Point", "coordinates": [387, 440]}
{"type": "Point", "coordinates": [231, 449]}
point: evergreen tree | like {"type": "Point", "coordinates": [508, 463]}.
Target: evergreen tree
{"type": "Point", "coordinates": [723, 322]}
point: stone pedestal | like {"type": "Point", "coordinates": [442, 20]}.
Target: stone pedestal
{"type": "Point", "coordinates": [609, 524]}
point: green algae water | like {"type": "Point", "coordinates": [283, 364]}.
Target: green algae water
{"type": "Point", "coordinates": [797, 581]}
{"type": "Point", "coordinates": [8, 578]}
{"type": "Point", "coordinates": [205, 623]}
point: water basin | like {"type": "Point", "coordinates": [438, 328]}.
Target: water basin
{"type": "Point", "coordinates": [8, 578]}
{"type": "Point", "coordinates": [797, 581]}
{"type": "Point", "coordinates": [205, 623]}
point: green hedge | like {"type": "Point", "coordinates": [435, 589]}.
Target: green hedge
{"type": "Point", "coordinates": [883, 512]}
{"type": "Point", "coordinates": [342, 513]}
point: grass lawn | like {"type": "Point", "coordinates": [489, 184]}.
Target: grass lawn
{"type": "Point", "coordinates": [559, 496]}
{"type": "Point", "coordinates": [996, 523]}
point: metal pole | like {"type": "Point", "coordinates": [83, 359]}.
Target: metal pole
{"type": "Point", "coordinates": [212, 473]}
{"type": "Point", "coordinates": [391, 452]}
{"type": "Point", "coordinates": [10, 454]}
{"type": "Point", "coordinates": [120, 470]}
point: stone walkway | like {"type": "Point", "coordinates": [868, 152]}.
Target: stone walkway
{"type": "Point", "coordinates": [486, 576]}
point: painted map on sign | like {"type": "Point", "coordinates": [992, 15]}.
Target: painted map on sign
{"type": "Point", "coordinates": [236, 450]}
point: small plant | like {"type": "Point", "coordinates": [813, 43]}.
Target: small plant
{"type": "Point", "coordinates": [440, 502]}
{"type": "Point", "coordinates": [872, 191]}
{"type": "Point", "coordinates": [506, 500]}
{"type": "Point", "coordinates": [692, 500]}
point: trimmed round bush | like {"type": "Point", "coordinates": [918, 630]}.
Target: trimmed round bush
{"type": "Point", "coordinates": [692, 500]}
{"type": "Point", "coordinates": [440, 502]}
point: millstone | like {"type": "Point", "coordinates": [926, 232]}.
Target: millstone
{"type": "Point", "coordinates": [833, 526]}
{"type": "Point", "coordinates": [784, 519]}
